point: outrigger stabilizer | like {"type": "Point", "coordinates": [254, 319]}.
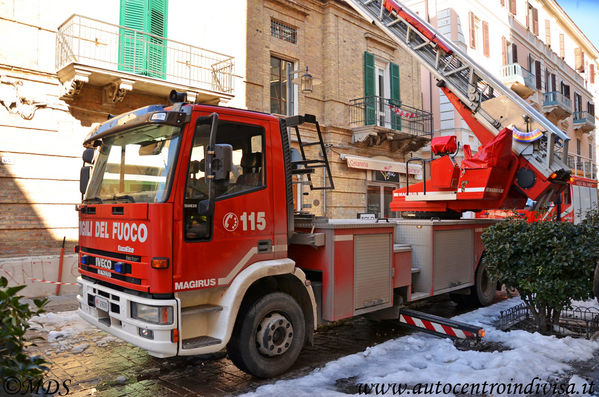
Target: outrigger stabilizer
{"type": "Point", "coordinates": [439, 326]}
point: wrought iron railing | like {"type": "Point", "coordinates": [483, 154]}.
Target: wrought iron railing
{"type": "Point", "coordinates": [556, 98]}
{"type": "Point", "coordinates": [583, 118]}
{"type": "Point", "coordinates": [577, 320]}
{"type": "Point", "coordinates": [390, 113]}
{"type": "Point", "coordinates": [582, 166]}
{"type": "Point", "coordinates": [516, 72]}
{"type": "Point", "coordinates": [88, 41]}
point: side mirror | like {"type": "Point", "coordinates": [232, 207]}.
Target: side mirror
{"type": "Point", "coordinates": [222, 164]}
{"type": "Point", "coordinates": [88, 156]}
{"type": "Point", "coordinates": [84, 178]}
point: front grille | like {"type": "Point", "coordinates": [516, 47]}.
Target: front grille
{"type": "Point", "coordinates": [115, 276]}
{"type": "Point", "coordinates": [108, 254]}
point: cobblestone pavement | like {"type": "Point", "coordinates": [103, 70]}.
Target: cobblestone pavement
{"type": "Point", "coordinates": [98, 364]}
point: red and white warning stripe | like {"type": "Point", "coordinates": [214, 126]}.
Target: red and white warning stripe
{"type": "Point", "coordinates": [52, 282]}
{"type": "Point", "coordinates": [436, 327]}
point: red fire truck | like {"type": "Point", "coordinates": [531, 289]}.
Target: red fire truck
{"type": "Point", "coordinates": [189, 243]}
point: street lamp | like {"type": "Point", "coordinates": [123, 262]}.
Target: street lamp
{"type": "Point", "coordinates": [306, 82]}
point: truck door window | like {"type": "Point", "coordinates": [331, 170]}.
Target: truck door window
{"type": "Point", "coordinates": [247, 173]}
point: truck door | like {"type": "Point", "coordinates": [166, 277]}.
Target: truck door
{"type": "Point", "coordinates": [214, 249]}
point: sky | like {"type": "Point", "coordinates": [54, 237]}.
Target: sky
{"type": "Point", "coordinates": [585, 13]}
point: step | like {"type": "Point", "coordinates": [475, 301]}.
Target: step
{"type": "Point", "coordinates": [419, 295]}
{"type": "Point", "coordinates": [200, 341]}
{"type": "Point", "coordinates": [200, 309]}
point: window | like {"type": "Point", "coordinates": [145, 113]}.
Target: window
{"type": "Point", "coordinates": [532, 19]}
{"type": "Point", "coordinates": [578, 144]}
{"type": "Point", "coordinates": [141, 53]}
{"type": "Point", "coordinates": [579, 60]}
{"type": "Point", "coordinates": [577, 103]}
{"type": "Point", "coordinates": [562, 47]}
{"type": "Point", "coordinates": [381, 93]}
{"type": "Point", "coordinates": [591, 151]}
{"type": "Point", "coordinates": [591, 108]}
{"type": "Point", "coordinates": [548, 32]}
{"type": "Point", "coordinates": [247, 174]}
{"type": "Point", "coordinates": [511, 52]}
{"type": "Point", "coordinates": [283, 31]}
{"type": "Point", "coordinates": [513, 7]}
{"type": "Point", "coordinates": [565, 90]}
{"type": "Point", "coordinates": [136, 165]}
{"type": "Point", "coordinates": [378, 201]}
{"type": "Point", "coordinates": [282, 89]}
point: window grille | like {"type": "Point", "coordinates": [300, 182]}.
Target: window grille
{"type": "Point", "coordinates": [283, 31]}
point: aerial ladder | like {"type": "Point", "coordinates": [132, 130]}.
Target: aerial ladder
{"type": "Point", "coordinates": [522, 154]}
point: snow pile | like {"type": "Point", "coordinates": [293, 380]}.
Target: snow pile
{"type": "Point", "coordinates": [65, 330]}
{"type": "Point", "coordinates": [423, 359]}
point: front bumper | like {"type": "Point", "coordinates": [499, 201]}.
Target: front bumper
{"type": "Point", "coordinates": [117, 319]}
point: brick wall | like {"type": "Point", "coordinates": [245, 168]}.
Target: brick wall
{"type": "Point", "coordinates": [331, 41]}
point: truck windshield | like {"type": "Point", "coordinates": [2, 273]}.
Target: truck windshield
{"type": "Point", "coordinates": [135, 165]}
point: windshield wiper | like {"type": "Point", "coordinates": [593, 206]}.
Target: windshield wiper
{"type": "Point", "coordinates": [123, 197]}
{"type": "Point", "coordinates": [93, 199]}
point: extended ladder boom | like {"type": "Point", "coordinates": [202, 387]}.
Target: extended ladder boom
{"type": "Point", "coordinates": [483, 101]}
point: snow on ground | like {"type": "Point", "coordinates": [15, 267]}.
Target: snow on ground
{"type": "Point", "coordinates": [420, 358]}
{"type": "Point", "coordinates": [66, 331]}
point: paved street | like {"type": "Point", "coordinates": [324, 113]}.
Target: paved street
{"type": "Point", "coordinates": [101, 365]}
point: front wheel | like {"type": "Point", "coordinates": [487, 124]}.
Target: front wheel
{"type": "Point", "coordinates": [268, 336]}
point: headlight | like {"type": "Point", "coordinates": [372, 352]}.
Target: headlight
{"type": "Point", "coordinates": [152, 314]}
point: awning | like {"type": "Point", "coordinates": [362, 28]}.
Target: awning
{"type": "Point", "coordinates": [367, 163]}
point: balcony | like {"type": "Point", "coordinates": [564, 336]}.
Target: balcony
{"type": "Point", "coordinates": [556, 106]}
{"type": "Point", "coordinates": [121, 60]}
{"type": "Point", "coordinates": [583, 121]}
{"type": "Point", "coordinates": [375, 119]}
{"type": "Point", "coordinates": [582, 166]}
{"type": "Point", "coordinates": [519, 79]}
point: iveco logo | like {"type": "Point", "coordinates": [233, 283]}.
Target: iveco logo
{"type": "Point", "coordinates": [105, 263]}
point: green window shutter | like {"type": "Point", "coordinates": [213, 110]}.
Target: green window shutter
{"type": "Point", "coordinates": [131, 44]}
{"type": "Point", "coordinates": [369, 90]}
{"type": "Point", "coordinates": [140, 53]}
{"type": "Point", "coordinates": [156, 25]}
{"type": "Point", "coordinates": [395, 94]}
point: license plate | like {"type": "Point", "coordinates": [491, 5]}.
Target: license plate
{"type": "Point", "coordinates": [102, 303]}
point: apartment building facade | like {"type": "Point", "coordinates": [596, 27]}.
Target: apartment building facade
{"type": "Point", "coordinates": [534, 48]}
{"type": "Point", "coordinates": [75, 63]}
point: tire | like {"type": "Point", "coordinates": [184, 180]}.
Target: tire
{"type": "Point", "coordinates": [596, 282]}
{"type": "Point", "coordinates": [481, 294]}
{"type": "Point", "coordinates": [268, 336]}
{"type": "Point", "coordinates": [483, 291]}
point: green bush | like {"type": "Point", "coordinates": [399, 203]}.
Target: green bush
{"type": "Point", "coordinates": [14, 317]}
{"type": "Point", "coordinates": [549, 263]}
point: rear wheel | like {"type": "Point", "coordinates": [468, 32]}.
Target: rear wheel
{"type": "Point", "coordinates": [485, 287]}
{"type": "Point", "coordinates": [268, 336]}
{"type": "Point", "coordinates": [483, 291]}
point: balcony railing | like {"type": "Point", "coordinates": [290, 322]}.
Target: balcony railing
{"type": "Point", "coordinates": [390, 114]}
{"type": "Point", "coordinates": [584, 118]}
{"type": "Point", "coordinates": [582, 166]}
{"type": "Point", "coordinates": [556, 98]}
{"type": "Point", "coordinates": [90, 42]}
{"type": "Point", "coordinates": [516, 73]}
